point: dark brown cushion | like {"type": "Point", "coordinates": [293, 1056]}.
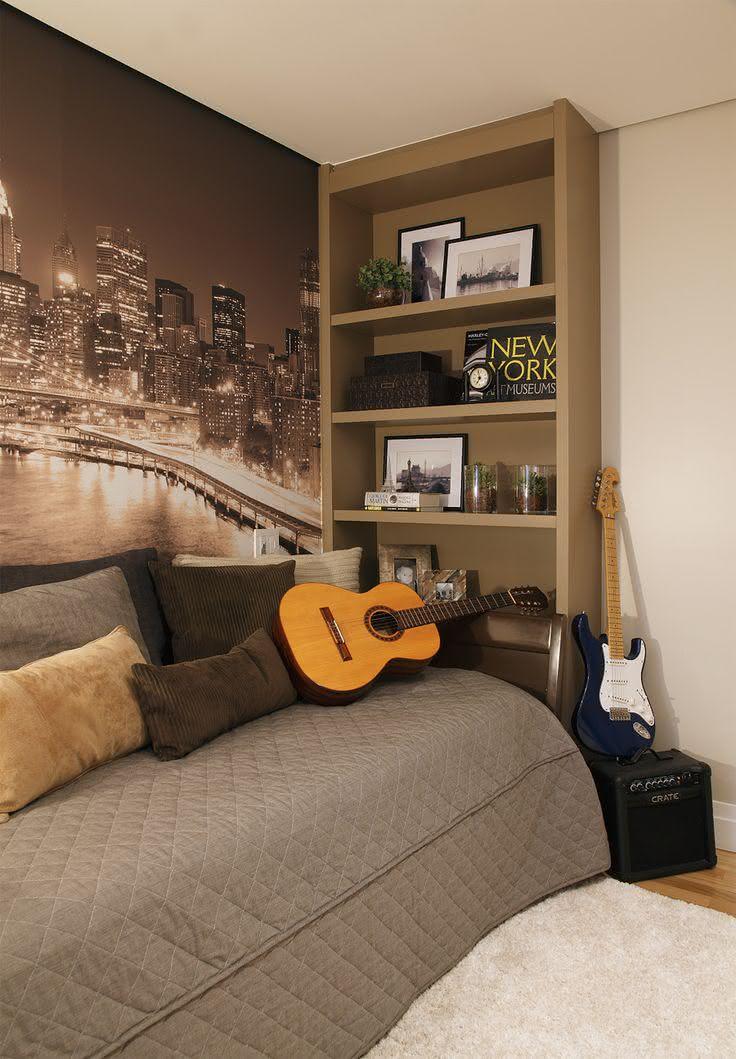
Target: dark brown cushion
{"type": "Point", "coordinates": [134, 565]}
{"type": "Point", "coordinates": [189, 703]}
{"type": "Point", "coordinates": [211, 609]}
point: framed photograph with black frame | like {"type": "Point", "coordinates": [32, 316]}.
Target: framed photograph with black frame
{"type": "Point", "coordinates": [427, 463]}
{"type": "Point", "coordinates": [491, 261]}
{"type": "Point", "coordinates": [423, 249]}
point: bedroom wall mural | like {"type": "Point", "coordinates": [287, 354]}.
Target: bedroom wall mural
{"type": "Point", "coordinates": [159, 316]}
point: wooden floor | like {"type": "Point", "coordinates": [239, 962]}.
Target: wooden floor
{"type": "Point", "coordinates": [715, 888]}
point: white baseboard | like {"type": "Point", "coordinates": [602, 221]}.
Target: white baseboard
{"type": "Point", "coordinates": [725, 820]}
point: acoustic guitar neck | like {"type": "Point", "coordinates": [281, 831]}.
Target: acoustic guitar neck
{"type": "Point", "coordinates": [431, 613]}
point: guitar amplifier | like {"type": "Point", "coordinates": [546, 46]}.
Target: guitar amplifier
{"type": "Point", "coordinates": [658, 814]}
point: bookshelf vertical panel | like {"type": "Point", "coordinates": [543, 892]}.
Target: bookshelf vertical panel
{"type": "Point", "coordinates": [579, 386]}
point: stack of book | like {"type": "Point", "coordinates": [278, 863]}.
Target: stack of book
{"type": "Point", "coordinates": [387, 500]}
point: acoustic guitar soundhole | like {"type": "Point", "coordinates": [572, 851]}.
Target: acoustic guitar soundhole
{"type": "Point", "coordinates": [382, 623]}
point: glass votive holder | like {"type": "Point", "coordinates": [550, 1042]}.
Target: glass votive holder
{"type": "Point", "coordinates": [533, 488]}
{"type": "Point", "coordinates": [479, 481]}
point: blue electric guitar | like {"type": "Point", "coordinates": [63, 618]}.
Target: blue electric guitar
{"type": "Point", "coordinates": [613, 715]}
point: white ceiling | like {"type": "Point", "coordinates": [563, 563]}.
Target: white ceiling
{"type": "Point", "coordinates": [337, 79]}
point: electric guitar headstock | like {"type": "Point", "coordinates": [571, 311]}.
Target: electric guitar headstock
{"type": "Point", "coordinates": [605, 499]}
{"type": "Point", "coordinates": [529, 598]}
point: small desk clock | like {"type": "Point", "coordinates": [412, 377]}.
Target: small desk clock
{"type": "Point", "coordinates": [479, 376]}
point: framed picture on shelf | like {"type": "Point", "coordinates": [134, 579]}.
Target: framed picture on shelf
{"type": "Point", "coordinates": [405, 563]}
{"type": "Point", "coordinates": [423, 250]}
{"type": "Point", "coordinates": [492, 261]}
{"type": "Point", "coordinates": [266, 542]}
{"type": "Point", "coordinates": [427, 464]}
{"type": "Point", "coordinates": [444, 586]}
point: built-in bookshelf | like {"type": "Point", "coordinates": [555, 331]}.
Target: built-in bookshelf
{"type": "Point", "coordinates": [540, 168]}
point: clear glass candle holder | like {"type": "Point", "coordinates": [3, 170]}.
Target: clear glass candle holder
{"type": "Point", "coordinates": [533, 489]}
{"type": "Point", "coordinates": [479, 481]}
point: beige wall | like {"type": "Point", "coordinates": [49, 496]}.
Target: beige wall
{"type": "Point", "coordinates": [668, 278]}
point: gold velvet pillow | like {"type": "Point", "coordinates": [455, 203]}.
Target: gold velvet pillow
{"type": "Point", "coordinates": [64, 715]}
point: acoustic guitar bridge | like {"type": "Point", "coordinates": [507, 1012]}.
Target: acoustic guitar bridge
{"type": "Point", "coordinates": [336, 633]}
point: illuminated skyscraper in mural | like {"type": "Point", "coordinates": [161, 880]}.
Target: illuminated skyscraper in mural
{"type": "Point", "coordinates": [174, 307]}
{"type": "Point", "coordinates": [309, 315]}
{"type": "Point", "coordinates": [122, 285]}
{"type": "Point", "coordinates": [64, 265]}
{"type": "Point", "coordinates": [228, 322]}
{"type": "Point", "coordinates": [9, 241]}
{"type": "Point", "coordinates": [65, 333]}
{"type": "Point", "coordinates": [16, 297]}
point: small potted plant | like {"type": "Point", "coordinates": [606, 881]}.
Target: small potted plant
{"type": "Point", "coordinates": [383, 282]}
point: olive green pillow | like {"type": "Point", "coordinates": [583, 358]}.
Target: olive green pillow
{"type": "Point", "coordinates": [211, 609]}
{"type": "Point", "coordinates": [189, 703]}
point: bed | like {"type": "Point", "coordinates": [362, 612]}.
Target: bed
{"type": "Point", "coordinates": [290, 888]}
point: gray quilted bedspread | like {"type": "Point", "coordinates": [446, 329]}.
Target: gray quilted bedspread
{"type": "Point", "coordinates": [136, 889]}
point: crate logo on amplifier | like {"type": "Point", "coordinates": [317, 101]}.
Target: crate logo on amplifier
{"type": "Point", "coordinates": [670, 796]}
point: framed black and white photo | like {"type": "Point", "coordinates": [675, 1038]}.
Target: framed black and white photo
{"type": "Point", "coordinates": [428, 464]}
{"type": "Point", "coordinates": [489, 262]}
{"type": "Point", "coordinates": [423, 250]}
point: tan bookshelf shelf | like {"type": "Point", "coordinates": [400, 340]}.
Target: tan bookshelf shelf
{"type": "Point", "coordinates": [461, 163]}
{"type": "Point", "coordinates": [448, 518]}
{"type": "Point", "coordinates": [521, 303]}
{"type": "Point", "coordinates": [539, 168]}
{"type": "Point", "coordinates": [508, 412]}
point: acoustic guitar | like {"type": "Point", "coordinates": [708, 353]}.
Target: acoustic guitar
{"type": "Point", "coordinates": [338, 643]}
{"type": "Point", "coordinates": [613, 715]}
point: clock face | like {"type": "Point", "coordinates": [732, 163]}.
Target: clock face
{"type": "Point", "coordinates": [479, 378]}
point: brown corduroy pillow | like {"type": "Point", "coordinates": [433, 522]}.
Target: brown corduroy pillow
{"type": "Point", "coordinates": [189, 703]}
{"type": "Point", "coordinates": [211, 609]}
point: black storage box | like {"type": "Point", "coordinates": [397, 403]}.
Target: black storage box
{"type": "Point", "coordinates": [398, 363]}
{"type": "Point", "coordinates": [408, 390]}
{"type": "Point", "coordinates": [658, 814]}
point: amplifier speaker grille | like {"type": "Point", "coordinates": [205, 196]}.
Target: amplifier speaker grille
{"type": "Point", "coordinates": [658, 814]}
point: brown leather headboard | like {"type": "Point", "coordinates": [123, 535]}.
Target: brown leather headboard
{"type": "Point", "coordinates": [522, 650]}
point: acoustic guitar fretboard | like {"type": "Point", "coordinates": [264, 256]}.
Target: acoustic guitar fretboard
{"type": "Point", "coordinates": [434, 612]}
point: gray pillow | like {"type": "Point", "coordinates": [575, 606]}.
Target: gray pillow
{"type": "Point", "coordinates": [133, 563]}
{"type": "Point", "coordinates": [42, 620]}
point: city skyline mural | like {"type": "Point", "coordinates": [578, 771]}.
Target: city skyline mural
{"type": "Point", "coordinates": [159, 316]}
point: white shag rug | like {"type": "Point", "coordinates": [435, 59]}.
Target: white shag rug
{"type": "Point", "coordinates": [603, 969]}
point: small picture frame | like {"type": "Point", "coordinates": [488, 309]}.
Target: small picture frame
{"type": "Point", "coordinates": [444, 586]}
{"type": "Point", "coordinates": [492, 261]}
{"type": "Point", "coordinates": [405, 563]}
{"type": "Point", "coordinates": [423, 251]}
{"type": "Point", "coordinates": [266, 542]}
{"type": "Point", "coordinates": [427, 463]}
